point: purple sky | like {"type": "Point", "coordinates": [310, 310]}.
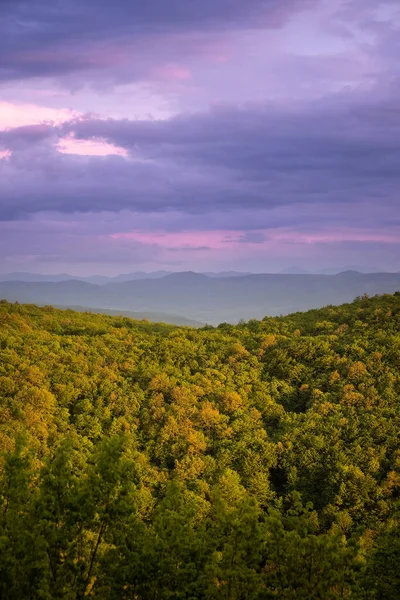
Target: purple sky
{"type": "Point", "coordinates": [222, 134]}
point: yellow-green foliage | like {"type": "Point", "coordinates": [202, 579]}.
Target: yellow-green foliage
{"type": "Point", "coordinates": [147, 461]}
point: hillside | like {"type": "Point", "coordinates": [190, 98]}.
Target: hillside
{"type": "Point", "coordinates": [148, 461]}
{"type": "Point", "coordinates": [154, 317]}
{"type": "Point", "coordinates": [205, 299]}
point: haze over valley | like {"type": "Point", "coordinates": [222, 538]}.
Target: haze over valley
{"type": "Point", "coordinates": [195, 298]}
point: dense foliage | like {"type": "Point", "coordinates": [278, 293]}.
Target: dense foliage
{"type": "Point", "coordinates": [146, 461]}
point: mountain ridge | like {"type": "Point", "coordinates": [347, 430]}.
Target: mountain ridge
{"type": "Point", "coordinates": [205, 299]}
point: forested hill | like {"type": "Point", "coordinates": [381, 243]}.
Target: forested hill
{"type": "Point", "coordinates": [149, 462]}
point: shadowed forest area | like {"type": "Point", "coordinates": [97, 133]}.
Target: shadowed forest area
{"type": "Point", "coordinates": [146, 461]}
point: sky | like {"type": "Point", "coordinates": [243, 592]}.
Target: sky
{"type": "Point", "coordinates": [252, 135]}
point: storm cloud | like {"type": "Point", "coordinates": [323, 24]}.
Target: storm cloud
{"type": "Point", "coordinates": [41, 38]}
{"type": "Point", "coordinates": [255, 156]}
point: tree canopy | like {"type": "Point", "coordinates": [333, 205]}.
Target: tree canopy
{"type": "Point", "coordinates": [146, 461]}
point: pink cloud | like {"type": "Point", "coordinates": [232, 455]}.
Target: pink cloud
{"type": "Point", "coordinates": [17, 115]}
{"type": "Point", "coordinates": [173, 72]}
{"type": "Point", "coordinates": [229, 239]}
{"type": "Point", "coordinates": [336, 236]}
{"type": "Point", "coordinates": [182, 239]}
{"type": "Point", "coordinates": [71, 145]}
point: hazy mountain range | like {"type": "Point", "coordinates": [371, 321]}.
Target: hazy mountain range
{"type": "Point", "coordinates": [203, 299]}
{"type": "Point", "coordinates": [104, 279]}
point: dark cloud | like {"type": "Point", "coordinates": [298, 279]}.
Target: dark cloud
{"type": "Point", "coordinates": [20, 137]}
{"type": "Point", "coordinates": [41, 38]}
{"type": "Point", "coordinates": [255, 158]}
{"type": "Point", "coordinates": [361, 139]}
{"type": "Point", "coordinates": [249, 237]}
{"type": "Point", "coordinates": [252, 237]}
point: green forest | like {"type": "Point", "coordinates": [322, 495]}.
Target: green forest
{"type": "Point", "coordinates": [145, 461]}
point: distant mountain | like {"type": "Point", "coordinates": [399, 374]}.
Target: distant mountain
{"type": "Point", "coordinates": [205, 299]}
{"type": "Point", "coordinates": [353, 268]}
{"type": "Point", "coordinates": [103, 279]}
{"type": "Point", "coordinates": [186, 277]}
{"type": "Point", "coordinates": [327, 271]}
{"type": "Point", "coordinates": [350, 273]}
{"type": "Point", "coordinates": [138, 275]}
{"type": "Point", "coordinates": [158, 274]}
{"type": "Point", "coordinates": [222, 274]}
{"type": "Point", "coordinates": [37, 277]}
{"type": "Point", "coordinates": [96, 279]}
{"type": "Point", "coordinates": [294, 271]}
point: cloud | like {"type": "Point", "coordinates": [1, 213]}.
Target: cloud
{"type": "Point", "coordinates": [39, 39]}
{"type": "Point", "coordinates": [249, 237]}
{"type": "Point", "coordinates": [265, 138]}
{"type": "Point", "coordinates": [28, 243]}
{"type": "Point", "coordinates": [26, 135]}
{"type": "Point", "coordinates": [98, 147]}
{"type": "Point", "coordinates": [250, 122]}
{"type": "Point", "coordinates": [332, 154]}
{"type": "Point", "coordinates": [185, 249]}
{"type": "Point", "coordinates": [13, 115]}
